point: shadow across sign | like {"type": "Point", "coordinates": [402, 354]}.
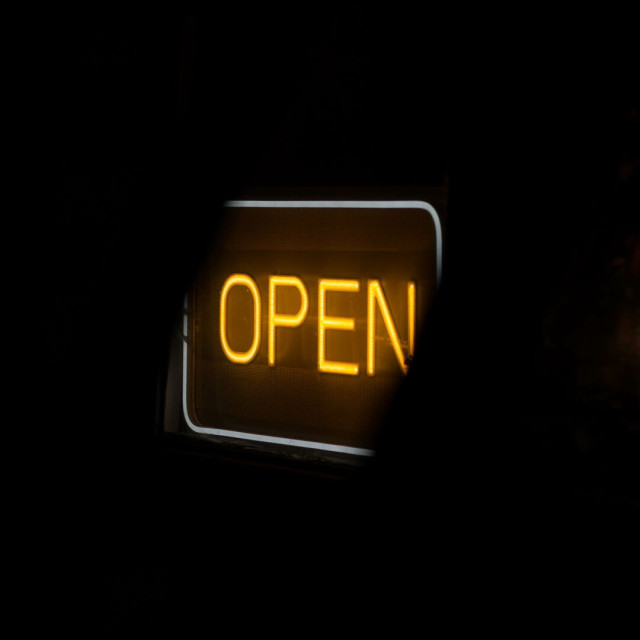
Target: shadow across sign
{"type": "Point", "coordinates": [302, 321]}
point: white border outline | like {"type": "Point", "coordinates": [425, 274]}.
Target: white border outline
{"type": "Point", "coordinates": [305, 204]}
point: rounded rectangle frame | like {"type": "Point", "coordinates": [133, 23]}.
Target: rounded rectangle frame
{"type": "Point", "coordinates": [302, 204]}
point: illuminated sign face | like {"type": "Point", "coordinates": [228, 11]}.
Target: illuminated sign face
{"type": "Point", "coordinates": [302, 320]}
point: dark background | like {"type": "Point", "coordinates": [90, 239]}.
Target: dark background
{"type": "Point", "coordinates": [511, 457]}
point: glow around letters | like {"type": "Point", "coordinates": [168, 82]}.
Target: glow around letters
{"type": "Point", "coordinates": [375, 299]}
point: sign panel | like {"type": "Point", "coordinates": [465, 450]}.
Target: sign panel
{"type": "Point", "coordinates": [303, 319]}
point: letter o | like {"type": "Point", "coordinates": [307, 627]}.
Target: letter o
{"type": "Point", "coordinates": [232, 281]}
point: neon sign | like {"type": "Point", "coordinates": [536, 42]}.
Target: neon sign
{"type": "Point", "coordinates": [375, 300]}
{"type": "Point", "coordinates": [303, 320]}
